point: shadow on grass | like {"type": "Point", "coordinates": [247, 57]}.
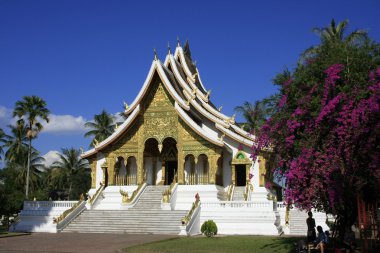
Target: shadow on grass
{"type": "Point", "coordinates": [281, 243]}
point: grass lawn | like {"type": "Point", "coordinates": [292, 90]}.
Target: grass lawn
{"type": "Point", "coordinates": [11, 234]}
{"type": "Point", "coordinates": [251, 244]}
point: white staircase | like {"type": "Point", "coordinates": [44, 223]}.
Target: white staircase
{"type": "Point", "coordinates": [297, 221]}
{"type": "Point", "coordinates": [238, 193]}
{"type": "Point", "coordinates": [146, 217]}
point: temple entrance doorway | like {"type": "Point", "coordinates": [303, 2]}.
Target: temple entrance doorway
{"type": "Point", "coordinates": [169, 155]}
{"type": "Point", "coordinates": [151, 159]}
{"type": "Point", "coordinates": [171, 171]}
{"type": "Point", "coordinates": [240, 175]}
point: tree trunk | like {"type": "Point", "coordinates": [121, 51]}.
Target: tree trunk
{"type": "Point", "coordinates": [27, 170]}
{"type": "Point", "coordinates": [70, 190]}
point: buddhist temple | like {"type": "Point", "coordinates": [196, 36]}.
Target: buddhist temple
{"type": "Point", "coordinates": [175, 162]}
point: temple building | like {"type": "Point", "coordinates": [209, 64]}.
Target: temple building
{"type": "Point", "coordinates": [175, 162]}
{"type": "Point", "coordinates": [172, 129]}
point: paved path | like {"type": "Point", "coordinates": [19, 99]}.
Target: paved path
{"type": "Point", "coordinates": [74, 242]}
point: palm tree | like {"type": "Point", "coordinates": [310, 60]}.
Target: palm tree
{"type": "Point", "coordinates": [2, 140]}
{"type": "Point", "coordinates": [102, 127]}
{"type": "Point", "coordinates": [16, 143]}
{"type": "Point", "coordinates": [20, 166]}
{"type": "Point", "coordinates": [254, 115]}
{"type": "Point", "coordinates": [335, 34]}
{"type": "Point", "coordinates": [31, 108]}
{"type": "Point", "coordinates": [70, 163]}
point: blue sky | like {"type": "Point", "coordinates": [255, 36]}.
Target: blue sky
{"type": "Point", "coordinates": [85, 56]}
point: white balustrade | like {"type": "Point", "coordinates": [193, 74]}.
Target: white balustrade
{"type": "Point", "coordinates": [46, 205]}
{"type": "Point", "coordinates": [236, 204]}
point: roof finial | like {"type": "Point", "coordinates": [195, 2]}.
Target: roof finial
{"type": "Point", "coordinates": [169, 52]}
{"type": "Point", "coordinates": [155, 54]}
{"type": "Point", "coordinates": [178, 42]}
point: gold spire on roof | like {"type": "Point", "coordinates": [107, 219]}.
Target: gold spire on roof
{"type": "Point", "coordinates": [178, 42]}
{"type": "Point", "coordinates": [155, 54]}
{"type": "Point", "coordinates": [126, 106]}
{"type": "Point", "coordinates": [169, 52]}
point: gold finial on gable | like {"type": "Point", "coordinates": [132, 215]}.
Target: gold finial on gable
{"type": "Point", "coordinates": [169, 51]}
{"type": "Point", "coordinates": [155, 54]}
{"type": "Point", "coordinates": [126, 106]}
{"type": "Point", "coordinates": [208, 94]}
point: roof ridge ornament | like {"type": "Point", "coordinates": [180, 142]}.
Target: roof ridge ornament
{"type": "Point", "coordinates": [220, 108]}
{"type": "Point", "coordinates": [155, 54]}
{"type": "Point", "coordinates": [222, 137]}
{"type": "Point", "coordinates": [169, 51]}
{"type": "Point", "coordinates": [126, 106]}
{"type": "Point", "coordinates": [178, 42]}
{"type": "Point", "coordinates": [195, 90]}
{"type": "Point", "coordinates": [208, 94]}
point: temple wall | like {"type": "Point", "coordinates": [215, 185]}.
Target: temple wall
{"type": "Point", "coordinates": [99, 172]}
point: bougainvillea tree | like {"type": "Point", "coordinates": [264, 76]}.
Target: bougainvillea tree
{"type": "Point", "coordinates": [325, 133]}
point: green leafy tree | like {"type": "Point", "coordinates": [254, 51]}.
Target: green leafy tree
{"type": "Point", "coordinates": [11, 195]}
{"type": "Point", "coordinates": [69, 166]}
{"type": "Point", "coordinates": [254, 115]}
{"type": "Point", "coordinates": [20, 167]}
{"type": "Point", "coordinates": [325, 133]}
{"type": "Point", "coordinates": [335, 34]}
{"type": "Point", "coordinates": [31, 109]}
{"type": "Point", "coordinates": [2, 140]}
{"type": "Point", "coordinates": [16, 144]}
{"type": "Point", "coordinates": [102, 126]}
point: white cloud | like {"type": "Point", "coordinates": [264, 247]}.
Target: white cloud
{"type": "Point", "coordinates": [50, 157]}
{"type": "Point", "coordinates": [118, 117]}
{"type": "Point", "coordinates": [5, 116]}
{"type": "Point", "coordinates": [64, 124]}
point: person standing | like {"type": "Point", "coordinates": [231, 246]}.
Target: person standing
{"type": "Point", "coordinates": [311, 235]}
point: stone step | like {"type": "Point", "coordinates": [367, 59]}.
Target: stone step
{"type": "Point", "coordinates": [146, 217]}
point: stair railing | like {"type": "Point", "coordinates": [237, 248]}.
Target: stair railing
{"type": "Point", "coordinates": [69, 215]}
{"type": "Point", "coordinates": [247, 191]}
{"type": "Point", "coordinates": [92, 200]}
{"type": "Point", "coordinates": [167, 194]}
{"type": "Point", "coordinates": [129, 202]}
{"type": "Point", "coordinates": [230, 192]}
{"type": "Point", "coordinates": [191, 222]}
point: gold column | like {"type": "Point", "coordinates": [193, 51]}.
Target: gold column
{"type": "Point", "coordinates": [140, 166]}
{"type": "Point", "coordinates": [247, 167]}
{"type": "Point", "coordinates": [111, 170]}
{"type": "Point", "coordinates": [213, 167]}
{"type": "Point", "coordinates": [93, 173]}
{"type": "Point", "coordinates": [233, 173]}
{"type": "Point", "coordinates": [181, 167]}
{"type": "Point", "coordinates": [262, 171]}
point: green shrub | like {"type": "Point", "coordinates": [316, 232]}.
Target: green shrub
{"type": "Point", "coordinates": [209, 228]}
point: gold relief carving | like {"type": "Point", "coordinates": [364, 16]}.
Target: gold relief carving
{"type": "Point", "coordinates": [160, 128]}
{"type": "Point", "coordinates": [158, 98]}
{"type": "Point", "coordinates": [93, 173]}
